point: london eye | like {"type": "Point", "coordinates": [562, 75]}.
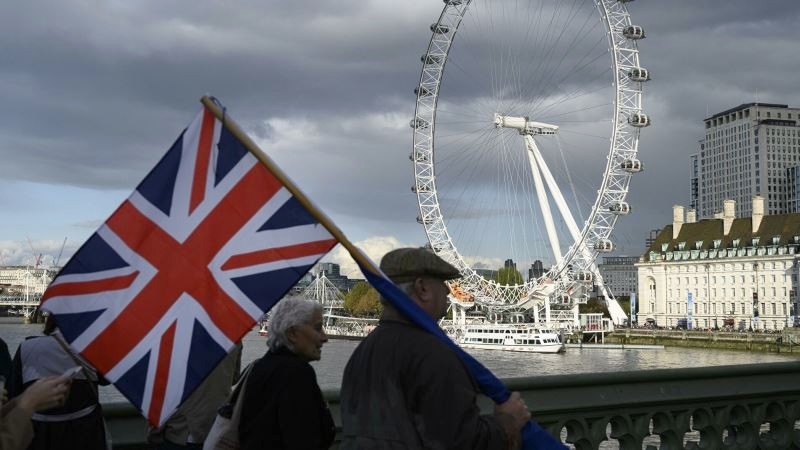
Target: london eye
{"type": "Point", "coordinates": [524, 148]}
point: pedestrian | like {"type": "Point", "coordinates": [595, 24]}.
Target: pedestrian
{"type": "Point", "coordinates": [188, 426]}
{"type": "Point", "coordinates": [16, 429]}
{"type": "Point", "coordinates": [78, 423]}
{"type": "Point", "coordinates": [404, 388]}
{"type": "Point", "coordinates": [283, 406]}
{"type": "Point", "coordinates": [5, 361]}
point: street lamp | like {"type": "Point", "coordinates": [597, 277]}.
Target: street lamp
{"type": "Point", "coordinates": [755, 299]}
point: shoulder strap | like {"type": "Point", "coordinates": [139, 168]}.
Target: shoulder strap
{"type": "Point", "coordinates": [82, 364]}
{"type": "Point", "coordinates": [240, 384]}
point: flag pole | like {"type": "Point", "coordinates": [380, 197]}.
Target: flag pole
{"type": "Point", "coordinates": [213, 106]}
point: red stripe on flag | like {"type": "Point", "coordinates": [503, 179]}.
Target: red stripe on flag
{"type": "Point", "coordinates": [162, 375]}
{"type": "Point", "coordinates": [203, 160]}
{"type": "Point", "coordinates": [90, 287]}
{"type": "Point", "coordinates": [279, 254]}
{"type": "Point", "coordinates": [181, 267]}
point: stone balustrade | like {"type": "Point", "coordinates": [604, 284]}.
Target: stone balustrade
{"type": "Point", "coordinates": [723, 407]}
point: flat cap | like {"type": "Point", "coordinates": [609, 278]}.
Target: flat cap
{"type": "Point", "coordinates": [407, 264]}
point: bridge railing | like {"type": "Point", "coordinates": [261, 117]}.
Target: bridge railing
{"type": "Point", "coordinates": [19, 300]}
{"type": "Point", "coordinates": [724, 407]}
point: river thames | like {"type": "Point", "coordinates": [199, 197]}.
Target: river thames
{"type": "Point", "coordinates": [503, 364]}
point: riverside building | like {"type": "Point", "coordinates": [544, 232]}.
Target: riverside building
{"type": "Point", "coordinates": [752, 149]}
{"type": "Point", "coordinates": [619, 274]}
{"type": "Point", "coordinates": [731, 272]}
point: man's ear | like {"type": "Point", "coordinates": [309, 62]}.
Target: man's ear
{"type": "Point", "coordinates": [421, 290]}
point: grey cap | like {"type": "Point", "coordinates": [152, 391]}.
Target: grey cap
{"type": "Point", "coordinates": [408, 264]}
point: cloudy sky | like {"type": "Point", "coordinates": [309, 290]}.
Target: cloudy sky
{"type": "Point", "coordinates": [93, 93]}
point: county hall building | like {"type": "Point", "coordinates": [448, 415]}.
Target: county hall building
{"type": "Point", "coordinates": [725, 271]}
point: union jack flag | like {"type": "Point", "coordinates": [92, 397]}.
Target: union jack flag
{"type": "Point", "coordinates": [205, 245]}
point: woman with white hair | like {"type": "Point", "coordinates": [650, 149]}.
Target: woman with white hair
{"type": "Point", "coordinates": [283, 406]}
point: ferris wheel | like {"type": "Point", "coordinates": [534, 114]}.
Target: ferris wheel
{"type": "Point", "coordinates": [524, 150]}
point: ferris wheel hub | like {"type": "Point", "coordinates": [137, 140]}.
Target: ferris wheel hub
{"type": "Point", "coordinates": [524, 125]}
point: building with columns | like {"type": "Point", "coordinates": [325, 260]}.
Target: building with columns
{"type": "Point", "coordinates": [723, 271]}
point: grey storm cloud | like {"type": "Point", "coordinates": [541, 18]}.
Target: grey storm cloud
{"type": "Point", "coordinates": [94, 92]}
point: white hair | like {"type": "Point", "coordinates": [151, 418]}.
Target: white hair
{"type": "Point", "coordinates": [407, 288]}
{"type": "Point", "coordinates": [286, 314]}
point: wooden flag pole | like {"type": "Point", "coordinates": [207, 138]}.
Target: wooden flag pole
{"type": "Point", "coordinates": [230, 124]}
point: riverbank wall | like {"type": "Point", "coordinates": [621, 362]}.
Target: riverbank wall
{"type": "Point", "coordinates": [786, 342]}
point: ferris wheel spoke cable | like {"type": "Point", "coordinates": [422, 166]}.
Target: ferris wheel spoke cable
{"type": "Point", "coordinates": [545, 83]}
{"type": "Point", "coordinates": [569, 177]}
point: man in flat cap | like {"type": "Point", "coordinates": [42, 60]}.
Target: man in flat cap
{"type": "Point", "coordinates": [405, 389]}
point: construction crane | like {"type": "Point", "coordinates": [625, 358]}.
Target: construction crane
{"type": "Point", "coordinates": [37, 258]}
{"type": "Point", "coordinates": [55, 263]}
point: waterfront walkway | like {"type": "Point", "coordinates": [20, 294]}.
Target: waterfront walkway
{"type": "Point", "coordinates": [787, 341]}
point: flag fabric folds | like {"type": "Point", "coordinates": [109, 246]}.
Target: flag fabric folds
{"type": "Point", "coordinates": [534, 437]}
{"type": "Point", "coordinates": [205, 245]}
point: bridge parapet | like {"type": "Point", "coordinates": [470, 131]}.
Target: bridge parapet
{"type": "Point", "coordinates": [724, 407]}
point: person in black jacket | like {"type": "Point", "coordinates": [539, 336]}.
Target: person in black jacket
{"type": "Point", "coordinates": [403, 388]}
{"type": "Point", "coordinates": [283, 406]}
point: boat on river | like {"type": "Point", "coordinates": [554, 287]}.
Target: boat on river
{"type": "Point", "coordinates": [509, 337]}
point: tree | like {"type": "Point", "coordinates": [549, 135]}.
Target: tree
{"type": "Point", "coordinates": [508, 275]}
{"type": "Point", "coordinates": [362, 301]}
{"type": "Point", "coordinates": [625, 303]}
{"type": "Point", "coordinates": [594, 306]}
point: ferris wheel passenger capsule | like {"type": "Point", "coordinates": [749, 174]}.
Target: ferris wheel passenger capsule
{"type": "Point", "coordinates": [634, 32]}
{"type": "Point", "coordinates": [620, 208]}
{"type": "Point", "coordinates": [439, 28]}
{"type": "Point", "coordinates": [435, 249]}
{"type": "Point", "coordinates": [564, 299]}
{"type": "Point", "coordinates": [422, 91]}
{"type": "Point", "coordinates": [424, 220]}
{"type": "Point", "coordinates": [418, 123]}
{"type": "Point", "coordinates": [639, 120]}
{"type": "Point", "coordinates": [421, 188]}
{"type": "Point", "coordinates": [430, 59]}
{"type": "Point", "coordinates": [604, 245]}
{"type": "Point", "coordinates": [632, 165]}
{"type": "Point", "coordinates": [418, 157]}
{"type": "Point", "coordinates": [584, 276]}
{"type": "Point", "coordinates": [639, 74]}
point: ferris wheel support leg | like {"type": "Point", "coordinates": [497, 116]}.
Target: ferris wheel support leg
{"type": "Point", "coordinates": [576, 321]}
{"type": "Point", "coordinates": [555, 191]}
{"type": "Point", "coordinates": [563, 208]}
{"type": "Point", "coordinates": [618, 315]}
{"type": "Point", "coordinates": [542, 197]}
{"type": "Point", "coordinates": [547, 314]}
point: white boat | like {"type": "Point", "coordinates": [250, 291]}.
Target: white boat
{"type": "Point", "coordinates": [510, 337]}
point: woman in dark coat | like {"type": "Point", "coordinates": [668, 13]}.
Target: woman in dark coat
{"type": "Point", "coordinates": [283, 406]}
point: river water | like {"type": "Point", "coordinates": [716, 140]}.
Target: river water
{"type": "Point", "coordinates": [503, 364]}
